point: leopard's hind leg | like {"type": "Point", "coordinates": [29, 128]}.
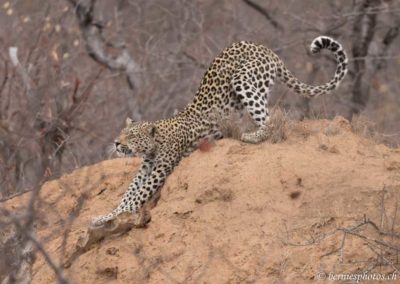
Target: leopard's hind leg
{"type": "Point", "coordinates": [252, 86]}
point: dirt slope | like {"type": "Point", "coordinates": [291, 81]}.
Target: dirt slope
{"type": "Point", "coordinates": [269, 213]}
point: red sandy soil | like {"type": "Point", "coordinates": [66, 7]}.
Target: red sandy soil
{"type": "Point", "coordinates": [237, 213]}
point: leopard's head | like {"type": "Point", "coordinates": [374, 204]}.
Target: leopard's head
{"type": "Point", "coordinates": [137, 139]}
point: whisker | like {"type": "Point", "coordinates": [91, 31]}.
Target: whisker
{"type": "Point", "coordinates": [110, 150]}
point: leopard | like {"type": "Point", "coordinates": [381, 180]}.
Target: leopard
{"type": "Point", "coordinates": [238, 80]}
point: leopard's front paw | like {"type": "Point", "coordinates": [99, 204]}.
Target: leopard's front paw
{"type": "Point", "coordinates": [97, 222]}
{"type": "Point", "coordinates": [101, 220]}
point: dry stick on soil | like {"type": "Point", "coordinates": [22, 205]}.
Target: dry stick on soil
{"type": "Point", "coordinates": [379, 244]}
{"type": "Point", "coordinates": [373, 242]}
{"type": "Point", "coordinates": [382, 208]}
{"type": "Point", "coordinates": [339, 249]}
{"type": "Point", "coordinates": [309, 242]}
{"type": "Point", "coordinates": [93, 235]}
{"type": "Point", "coordinates": [394, 219]}
{"type": "Point", "coordinates": [120, 225]}
{"type": "Point", "coordinates": [394, 216]}
{"type": "Point", "coordinates": [383, 216]}
{"type": "Point", "coordinates": [382, 257]}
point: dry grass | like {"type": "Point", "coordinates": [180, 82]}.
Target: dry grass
{"type": "Point", "coordinates": [279, 121]}
{"type": "Point", "coordinates": [362, 126]}
{"type": "Point", "coordinates": [281, 126]}
{"type": "Point", "coordinates": [234, 126]}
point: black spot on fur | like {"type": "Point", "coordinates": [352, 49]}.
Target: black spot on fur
{"type": "Point", "coordinates": [334, 46]}
{"type": "Point", "coordinates": [325, 42]}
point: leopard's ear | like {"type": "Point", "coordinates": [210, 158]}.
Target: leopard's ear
{"type": "Point", "coordinates": [129, 121]}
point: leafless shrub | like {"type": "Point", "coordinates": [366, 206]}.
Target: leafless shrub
{"type": "Point", "coordinates": [379, 236]}
{"type": "Point", "coordinates": [235, 124]}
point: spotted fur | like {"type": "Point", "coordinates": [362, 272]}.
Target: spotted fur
{"type": "Point", "coordinates": [239, 79]}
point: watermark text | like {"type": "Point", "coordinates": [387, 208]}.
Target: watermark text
{"type": "Point", "coordinates": [357, 277]}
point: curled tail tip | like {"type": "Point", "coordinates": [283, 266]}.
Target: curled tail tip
{"type": "Point", "coordinates": [323, 42]}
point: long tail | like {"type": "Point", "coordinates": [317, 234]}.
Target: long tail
{"type": "Point", "coordinates": [310, 91]}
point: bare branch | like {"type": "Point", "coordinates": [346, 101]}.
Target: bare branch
{"type": "Point", "coordinates": [265, 13]}
{"type": "Point", "coordinates": [363, 32]}
{"type": "Point", "coordinates": [13, 53]}
{"type": "Point", "coordinates": [60, 277]}
{"type": "Point", "coordinates": [92, 32]}
{"type": "Point", "coordinates": [8, 197]}
{"type": "Point", "coordinates": [6, 77]}
{"type": "Point", "coordinates": [388, 39]}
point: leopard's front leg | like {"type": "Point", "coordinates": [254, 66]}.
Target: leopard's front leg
{"type": "Point", "coordinates": [147, 196]}
{"type": "Point", "coordinates": [126, 202]}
